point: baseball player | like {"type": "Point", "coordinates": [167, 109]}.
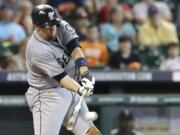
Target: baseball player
{"type": "Point", "coordinates": [54, 62]}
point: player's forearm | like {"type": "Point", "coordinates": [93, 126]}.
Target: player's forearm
{"type": "Point", "coordinates": [70, 84]}
{"type": "Point", "coordinates": [76, 54]}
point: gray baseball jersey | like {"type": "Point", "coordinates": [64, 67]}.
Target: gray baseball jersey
{"type": "Point", "coordinates": [51, 104]}
{"type": "Point", "coordinates": [47, 59]}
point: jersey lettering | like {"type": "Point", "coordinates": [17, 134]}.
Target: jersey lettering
{"type": "Point", "coordinates": [63, 61]}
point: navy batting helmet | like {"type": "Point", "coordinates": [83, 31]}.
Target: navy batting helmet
{"type": "Point", "coordinates": [45, 16]}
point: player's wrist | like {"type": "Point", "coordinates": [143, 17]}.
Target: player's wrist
{"type": "Point", "coordinates": [81, 64]}
{"type": "Point", "coordinates": [82, 91]}
{"type": "Point", "coordinates": [86, 74]}
{"type": "Point", "coordinates": [83, 69]}
{"type": "Point", "coordinates": [79, 90]}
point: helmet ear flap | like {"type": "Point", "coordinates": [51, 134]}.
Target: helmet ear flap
{"type": "Point", "coordinates": [34, 15]}
{"type": "Point", "coordinates": [58, 17]}
{"type": "Point", "coordinates": [57, 14]}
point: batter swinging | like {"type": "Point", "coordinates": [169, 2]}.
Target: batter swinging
{"type": "Point", "coordinates": [55, 62]}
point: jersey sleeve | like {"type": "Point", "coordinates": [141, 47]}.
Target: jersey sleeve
{"type": "Point", "coordinates": [47, 65]}
{"type": "Point", "coordinates": [68, 32]}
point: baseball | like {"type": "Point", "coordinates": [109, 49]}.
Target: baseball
{"type": "Point", "coordinates": [91, 116]}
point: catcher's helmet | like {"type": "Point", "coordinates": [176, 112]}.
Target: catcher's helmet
{"type": "Point", "coordinates": [44, 15]}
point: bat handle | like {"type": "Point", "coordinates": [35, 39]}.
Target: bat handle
{"type": "Point", "coordinates": [79, 103]}
{"type": "Point", "coordinates": [81, 99]}
{"type": "Point", "coordinates": [76, 111]}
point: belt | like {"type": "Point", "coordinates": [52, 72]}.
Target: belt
{"type": "Point", "coordinates": [42, 88]}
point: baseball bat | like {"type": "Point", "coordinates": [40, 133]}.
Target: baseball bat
{"type": "Point", "coordinates": [73, 119]}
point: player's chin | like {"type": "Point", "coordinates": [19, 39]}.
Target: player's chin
{"type": "Point", "coordinates": [50, 38]}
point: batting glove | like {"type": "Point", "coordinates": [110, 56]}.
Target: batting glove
{"type": "Point", "coordinates": [87, 87]}
{"type": "Point", "coordinates": [88, 76]}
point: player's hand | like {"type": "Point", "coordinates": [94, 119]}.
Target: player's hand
{"type": "Point", "coordinates": [87, 87]}
{"type": "Point", "coordinates": [88, 76]}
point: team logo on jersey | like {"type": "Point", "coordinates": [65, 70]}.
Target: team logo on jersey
{"type": "Point", "coordinates": [51, 15]}
{"type": "Point", "coordinates": [68, 27]}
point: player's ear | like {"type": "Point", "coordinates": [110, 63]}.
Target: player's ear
{"type": "Point", "coordinates": [93, 131]}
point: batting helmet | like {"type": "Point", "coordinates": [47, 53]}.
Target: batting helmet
{"type": "Point", "coordinates": [45, 16]}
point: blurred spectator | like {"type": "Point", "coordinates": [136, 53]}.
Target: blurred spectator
{"type": "Point", "coordinates": [20, 57]}
{"type": "Point", "coordinates": [124, 58]}
{"type": "Point", "coordinates": [141, 10]}
{"type": "Point", "coordinates": [7, 61]}
{"type": "Point", "coordinates": [156, 31]}
{"type": "Point", "coordinates": [10, 32]}
{"type": "Point", "coordinates": [38, 2]}
{"type": "Point", "coordinates": [128, 14]}
{"type": "Point", "coordinates": [10, 3]}
{"type": "Point", "coordinates": [96, 52]}
{"type": "Point", "coordinates": [125, 124]}
{"type": "Point", "coordinates": [66, 6]}
{"type": "Point", "coordinates": [92, 10]}
{"type": "Point", "coordinates": [81, 23]}
{"type": "Point", "coordinates": [104, 12]}
{"type": "Point", "coordinates": [172, 63]}
{"type": "Point", "coordinates": [23, 15]}
{"type": "Point", "coordinates": [115, 28]}
{"type": "Point", "coordinates": [151, 58]}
